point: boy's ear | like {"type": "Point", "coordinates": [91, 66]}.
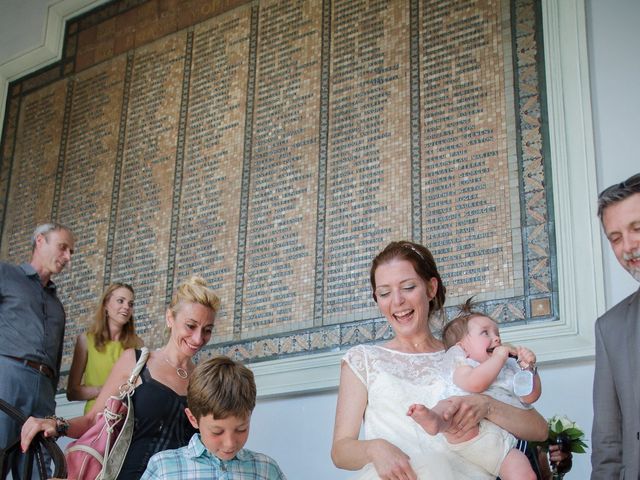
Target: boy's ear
{"type": "Point", "coordinates": [192, 419]}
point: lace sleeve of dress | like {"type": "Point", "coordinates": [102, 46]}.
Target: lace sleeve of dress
{"type": "Point", "coordinates": [453, 358]}
{"type": "Point", "coordinates": [355, 358]}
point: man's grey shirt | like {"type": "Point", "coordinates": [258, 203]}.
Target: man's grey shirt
{"type": "Point", "coordinates": [32, 318]}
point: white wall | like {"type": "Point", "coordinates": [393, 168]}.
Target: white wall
{"type": "Point", "coordinates": [296, 430]}
{"type": "Point", "coordinates": [613, 40]}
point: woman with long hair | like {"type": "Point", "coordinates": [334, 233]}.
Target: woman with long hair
{"type": "Point", "coordinates": [98, 349]}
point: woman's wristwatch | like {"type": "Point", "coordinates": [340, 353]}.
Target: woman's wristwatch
{"type": "Point", "coordinates": [62, 425]}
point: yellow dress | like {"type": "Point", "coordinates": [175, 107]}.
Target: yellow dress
{"type": "Point", "coordinates": [99, 364]}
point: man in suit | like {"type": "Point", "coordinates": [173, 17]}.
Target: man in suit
{"type": "Point", "coordinates": [615, 436]}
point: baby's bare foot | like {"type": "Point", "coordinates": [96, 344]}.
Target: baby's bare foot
{"type": "Point", "coordinates": [429, 420]}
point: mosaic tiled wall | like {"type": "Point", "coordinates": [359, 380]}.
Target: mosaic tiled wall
{"type": "Point", "coordinates": [273, 147]}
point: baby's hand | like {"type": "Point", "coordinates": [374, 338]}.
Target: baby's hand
{"type": "Point", "coordinates": [526, 357]}
{"type": "Point", "coordinates": [502, 351]}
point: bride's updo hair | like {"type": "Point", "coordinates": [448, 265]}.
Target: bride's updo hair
{"type": "Point", "coordinates": [194, 290]}
{"type": "Point", "coordinates": [423, 263]}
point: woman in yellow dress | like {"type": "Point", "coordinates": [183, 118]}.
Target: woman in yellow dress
{"type": "Point", "coordinates": [98, 349]}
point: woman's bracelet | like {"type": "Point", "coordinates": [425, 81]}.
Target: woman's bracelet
{"type": "Point", "coordinates": [62, 425]}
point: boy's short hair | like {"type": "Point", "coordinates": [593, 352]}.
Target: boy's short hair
{"type": "Point", "coordinates": [456, 329]}
{"type": "Point", "coordinates": [222, 388]}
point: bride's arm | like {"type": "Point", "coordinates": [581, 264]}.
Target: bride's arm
{"type": "Point", "coordinates": [524, 424]}
{"type": "Point", "coordinates": [350, 453]}
{"type": "Point", "coordinates": [347, 451]}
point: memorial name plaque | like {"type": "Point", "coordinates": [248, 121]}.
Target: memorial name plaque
{"type": "Point", "coordinates": [142, 233]}
{"type": "Point", "coordinates": [369, 170]}
{"type": "Point", "coordinates": [34, 168]}
{"type": "Point", "coordinates": [87, 185]}
{"type": "Point", "coordinates": [280, 239]}
{"type": "Point", "coordinates": [468, 169]}
{"type": "Point", "coordinates": [207, 239]}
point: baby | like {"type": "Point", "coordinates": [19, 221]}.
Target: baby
{"type": "Point", "coordinates": [477, 362]}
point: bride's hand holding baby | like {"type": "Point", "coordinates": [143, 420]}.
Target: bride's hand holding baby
{"type": "Point", "coordinates": [466, 412]}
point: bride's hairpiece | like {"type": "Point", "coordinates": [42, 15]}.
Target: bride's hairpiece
{"type": "Point", "coordinates": [413, 249]}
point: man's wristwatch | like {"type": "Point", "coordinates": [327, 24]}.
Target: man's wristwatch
{"type": "Point", "coordinates": [62, 425]}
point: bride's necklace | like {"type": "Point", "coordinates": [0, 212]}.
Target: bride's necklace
{"type": "Point", "coordinates": [181, 372]}
{"type": "Point", "coordinates": [419, 347]}
{"type": "Point", "coordinates": [423, 342]}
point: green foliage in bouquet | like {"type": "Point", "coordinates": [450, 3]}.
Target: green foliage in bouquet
{"type": "Point", "coordinates": [563, 431]}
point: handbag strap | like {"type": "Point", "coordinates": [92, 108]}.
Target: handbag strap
{"type": "Point", "coordinates": [128, 388]}
{"type": "Point", "coordinates": [144, 355]}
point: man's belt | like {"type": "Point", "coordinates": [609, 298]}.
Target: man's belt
{"type": "Point", "coordinates": [40, 367]}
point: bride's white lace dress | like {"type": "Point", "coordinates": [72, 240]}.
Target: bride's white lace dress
{"type": "Point", "coordinates": [395, 380]}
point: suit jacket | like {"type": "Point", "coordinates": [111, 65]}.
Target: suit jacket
{"type": "Point", "coordinates": [615, 435]}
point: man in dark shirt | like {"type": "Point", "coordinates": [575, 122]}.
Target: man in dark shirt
{"type": "Point", "coordinates": [32, 323]}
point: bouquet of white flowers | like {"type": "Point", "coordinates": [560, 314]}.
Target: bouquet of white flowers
{"type": "Point", "coordinates": [569, 437]}
{"type": "Point", "coordinates": [565, 433]}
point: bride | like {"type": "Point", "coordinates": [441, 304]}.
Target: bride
{"type": "Point", "coordinates": [378, 383]}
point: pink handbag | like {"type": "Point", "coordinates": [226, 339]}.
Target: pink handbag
{"type": "Point", "coordinates": [99, 453]}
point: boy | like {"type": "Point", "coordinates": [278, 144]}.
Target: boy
{"type": "Point", "coordinates": [220, 398]}
{"type": "Point", "coordinates": [477, 362]}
